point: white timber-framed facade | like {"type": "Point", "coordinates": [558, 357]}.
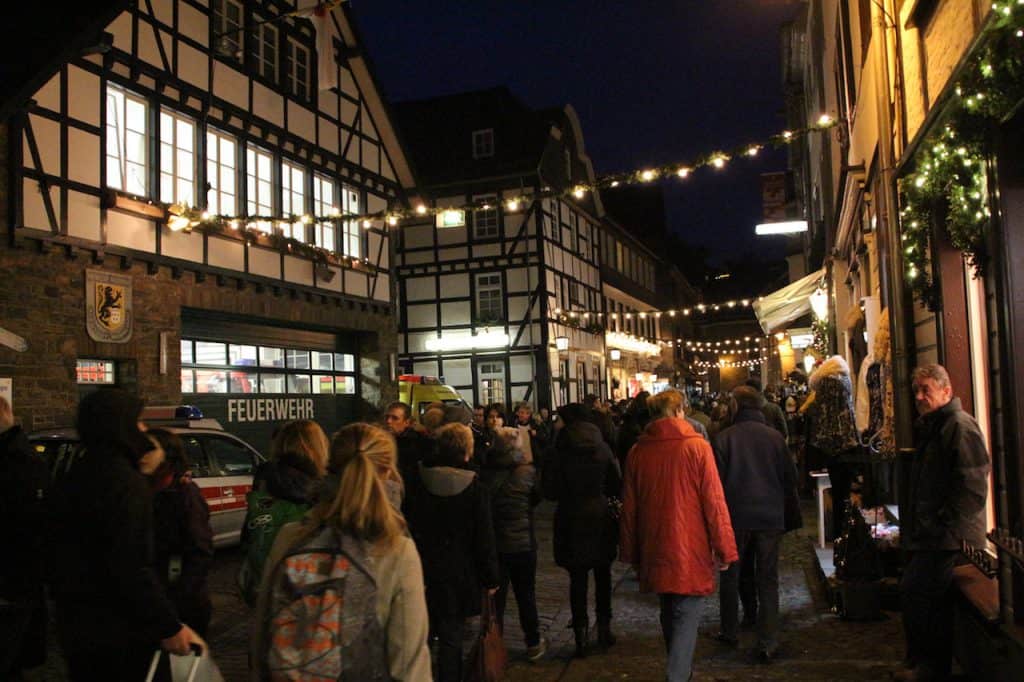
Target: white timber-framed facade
{"type": "Point", "coordinates": [225, 106]}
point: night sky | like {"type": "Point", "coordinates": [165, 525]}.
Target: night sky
{"type": "Point", "coordinates": [653, 82]}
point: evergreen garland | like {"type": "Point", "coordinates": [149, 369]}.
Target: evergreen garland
{"type": "Point", "coordinates": [950, 178]}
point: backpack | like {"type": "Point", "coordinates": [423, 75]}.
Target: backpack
{"type": "Point", "coordinates": [265, 517]}
{"type": "Point", "coordinates": [321, 621]}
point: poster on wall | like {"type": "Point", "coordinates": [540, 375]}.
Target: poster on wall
{"type": "Point", "coordinates": [108, 306]}
{"type": "Point", "coordinates": [7, 390]}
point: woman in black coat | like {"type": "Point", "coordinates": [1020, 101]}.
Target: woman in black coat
{"type": "Point", "coordinates": [449, 517]}
{"type": "Point", "coordinates": [583, 474]}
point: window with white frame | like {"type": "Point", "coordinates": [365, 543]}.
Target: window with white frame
{"type": "Point", "coordinates": [227, 24]}
{"type": "Point", "coordinates": [489, 297]}
{"type": "Point", "coordinates": [177, 159]}
{"type": "Point", "coordinates": [324, 206]}
{"type": "Point", "coordinates": [491, 376]}
{"type": "Point", "coordinates": [483, 143]}
{"type": "Point", "coordinates": [266, 52]}
{"type": "Point", "coordinates": [127, 128]}
{"type": "Point", "coordinates": [221, 173]}
{"type": "Point", "coordinates": [259, 185]}
{"type": "Point", "coordinates": [351, 237]}
{"type": "Point", "coordinates": [485, 220]}
{"type": "Point", "coordinates": [293, 199]}
{"type": "Point", "coordinates": [298, 71]}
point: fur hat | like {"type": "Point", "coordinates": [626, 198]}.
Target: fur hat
{"type": "Point", "coordinates": [881, 349]}
{"type": "Point", "coordinates": [834, 366]}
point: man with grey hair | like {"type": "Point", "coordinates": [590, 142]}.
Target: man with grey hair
{"type": "Point", "coordinates": [942, 505]}
{"type": "Point", "coordinates": [757, 474]}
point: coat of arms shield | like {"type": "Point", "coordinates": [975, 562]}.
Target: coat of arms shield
{"type": "Point", "coordinates": [108, 303]}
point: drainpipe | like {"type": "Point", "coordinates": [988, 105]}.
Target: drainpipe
{"type": "Point", "coordinates": [893, 290]}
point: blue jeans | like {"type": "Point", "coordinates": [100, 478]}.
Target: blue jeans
{"type": "Point", "coordinates": [680, 616]}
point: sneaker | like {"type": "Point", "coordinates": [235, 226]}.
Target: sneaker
{"type": "Point", "coordinates": [537, 651]}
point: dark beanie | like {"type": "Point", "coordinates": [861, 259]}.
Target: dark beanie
{"type": "Point", "coordinates": [108, 419]}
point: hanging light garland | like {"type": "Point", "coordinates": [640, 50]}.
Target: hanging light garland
{"type": "Point", "coordinates": [700, 308]}
{"type": "Point", "coordinates": [728, 363]}
{"type": "Point", "coordinates": [950, 178]}
{"type": "Point", "coordinates": [726, 343]}
{"type": "Point", "coordinates": [189, 218]}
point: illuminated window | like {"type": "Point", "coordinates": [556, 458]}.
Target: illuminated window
{"type": "Point", "coordinates": [489, 297]}
{"type": "Point", "coordinates": [293, 199]}
{"type": "Point", "coordinates": [221, 173]}
{"type": "Point", "coordinates": [485, 220]}
{"type": "Point", "coordinates": [177, 159]}
{"type": "Point", "coordinates": [259, 184]}
{"type": "Point", "coordinates": [95, 372]}
{"type": "Point", "coordinates": [324, 204]}
{"type": "Point", "coordinates": [127, 141]}
{"type": "Point", "coordinates": [351, 237]}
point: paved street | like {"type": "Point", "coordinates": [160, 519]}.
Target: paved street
{"type": "Point", "coordinates": [816, 645]}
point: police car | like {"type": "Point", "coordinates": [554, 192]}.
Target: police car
{"type": "Point", "coordinates": [222, 464]}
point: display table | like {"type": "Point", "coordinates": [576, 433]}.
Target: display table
{"type": "Point", "coordinates": [823, 483]}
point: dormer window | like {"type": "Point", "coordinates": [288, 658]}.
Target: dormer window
{"type": "Point", "coordinates": [483, 143]}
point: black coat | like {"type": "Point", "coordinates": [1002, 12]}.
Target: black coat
{"type": "Point", "coordinates": [24, 480]}
{"type": "Point", "coordinates": [581, 475]}
{"type": "Point", "coordinates": [413, 446]}
{"type": "Point", "coordinates": [449, 517]}
{"type": "Point", "coordinates": [944, 499]}
{"type": "Point", "coordinates": [756, 470]}
{"type": "Point", "coordinates": [183, 538]}
{"type": "Point", "coordinates": [103, 578]}
{"type": "Point", "coordinates": [512, 489]}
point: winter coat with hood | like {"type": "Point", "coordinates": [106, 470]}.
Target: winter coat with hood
{"type": "Point", "coordinates": [834, 429]}
{"type": "Point", "coordinates": [581, 474]}
{"type": "Point", "coordinates": [512, 488]}
{"type": "Point", "coordinates": [756, 472]}
{"type": "Point", "coordinates": [948, 483]}
{"type": "Point", "coordinates": [101, 534]}
{"type": "Point", "coordinates": [449, 517]}
{"type": "Point", "coordinates": [674, 516]}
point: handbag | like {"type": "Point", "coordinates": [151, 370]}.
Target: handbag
{"type": "Point", "coordinates": [488, 657]}
{"type": "Point", "coordinates": [195, 667]}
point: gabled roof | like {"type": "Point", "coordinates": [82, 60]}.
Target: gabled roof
{"type": "Point", "coordinates": [438, 133]}
{"type": "Point", "coordinates": [38, 43]}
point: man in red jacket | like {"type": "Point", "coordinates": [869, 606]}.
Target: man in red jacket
{"type": "Point", "coordinates": [675, 526]}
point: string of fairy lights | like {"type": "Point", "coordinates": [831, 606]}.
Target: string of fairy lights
{"type": "Point", "coordinates": [182, 217]}
{"type": "Point", "coordinates": [700, 308]}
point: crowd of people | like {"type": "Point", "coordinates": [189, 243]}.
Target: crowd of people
{"type": "Point", "coordinates": [365, 553]}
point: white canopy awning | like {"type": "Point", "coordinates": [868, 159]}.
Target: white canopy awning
{"type": "Point", "coordinates": [788, 303]}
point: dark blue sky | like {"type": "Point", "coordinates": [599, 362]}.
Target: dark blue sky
{"type": "Point", "coordinates": [653, 81]}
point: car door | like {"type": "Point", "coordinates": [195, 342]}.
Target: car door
{"type": "Point", "coordinates": [233, 463]}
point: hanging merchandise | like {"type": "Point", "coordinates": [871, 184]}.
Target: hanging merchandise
{"type": "Point", "coordinates": [834, 430]}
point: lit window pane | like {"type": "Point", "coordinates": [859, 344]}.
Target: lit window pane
{"type": "Point", "coordinates": [185, 132]}
{"type": "Point", "coordinates": [211, 381]}
{"type": "Point", "coordinates": [271, 383]}
{"type": "Point", "coordinates": [345, 385]}
{"type": "Point", "coordinates": [188, 381]}
{"type": "Point", "coordinates": [243, 382]}
{"type": "Point", "coordinates": [209, 353]}
{"type": "Point", "coordinates": [271, 357]}
{"type": "Point", "coordinates": [298, 359]}
{"type": "Point", "coordinates": [323, 383]}
{"type": "Point", "coordinates": [299, 383]}
{"type": "Point", "coordinates": [186, 352]}
{"type": "Point", "coordinates": [242, 355]}
{"type": "Point", "coordinates": [322, 360]}
{"type": "Point", "coordinates": [344, 362]}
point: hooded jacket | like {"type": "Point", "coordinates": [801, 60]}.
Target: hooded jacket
{"type": "Point", "coordinates": [581, 475]}
{"type": "Point", "coordinates": [674, 517]}
{"type": "Point", "coordinates": [948, 486]}
{"type": "Point", "coordinates": [101, 531]}
{"type": "Point", "coordinates": [512, 488]}
{"type": "Point", "coordinates": [449, 517]}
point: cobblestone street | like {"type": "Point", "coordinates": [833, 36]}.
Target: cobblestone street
{"type": "Point", "coordinates": [815, 644]}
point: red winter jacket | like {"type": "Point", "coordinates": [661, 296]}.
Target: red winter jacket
{"type": "Point", "coordinates": [674, 516]}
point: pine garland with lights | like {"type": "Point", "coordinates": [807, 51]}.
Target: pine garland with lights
{"type": "Point", "coordinates": [950, 178]}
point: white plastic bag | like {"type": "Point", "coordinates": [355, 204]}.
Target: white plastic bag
{"type": "Point", "coordinates": [189, 668]}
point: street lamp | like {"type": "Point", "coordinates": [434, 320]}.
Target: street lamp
{"type": "Point", "coordinates": [561, 343]}
{"type": "Point", "coordinates": [819, 303]}
{"type": "Point", "coordinates": [615, 354]}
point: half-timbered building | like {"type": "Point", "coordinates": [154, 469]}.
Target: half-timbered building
{"type": "Point", "coordinates": [253, 111]}
{"type": "Point", "coordinates": [492, 298]}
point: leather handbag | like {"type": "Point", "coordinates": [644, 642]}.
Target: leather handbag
{"type": "Point", "coordinates": [488, 657]}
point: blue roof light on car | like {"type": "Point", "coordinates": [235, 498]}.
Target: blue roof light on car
{"type": "Point", "coordinates": [188, 412]}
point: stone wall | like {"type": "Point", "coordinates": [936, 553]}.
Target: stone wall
{"type": "Point", "coordinates": [42, 298]}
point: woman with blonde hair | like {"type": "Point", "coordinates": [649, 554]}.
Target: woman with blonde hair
{"type": "Point", "coordinates": [380, 448]}
{"type": "Point", "coordinates": [348, 563]}
{"type": "Point", "coordinates": [283, 491]}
